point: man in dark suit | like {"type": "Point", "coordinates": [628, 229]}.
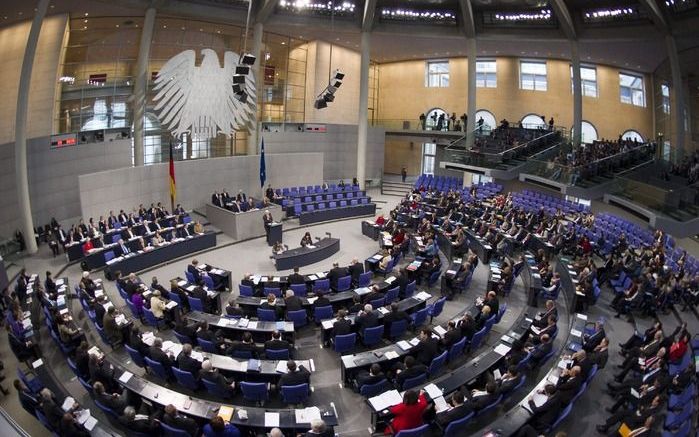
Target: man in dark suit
{"type": "Point", "coordinates": [546, 414]}
{"type": "Point", "coordinates": [373, 295]}
{"type": "Point", "coordinates": [212, 375]}
{"type": "Point", "coordinates": [206, 301]}
{"type": "Point", "coordinates": [296, 278]}
{"type": "Point", "coordinates": [172, 418]}
{"type": "Point", "coordinates": [409, 368]}
{"type": "Point", "coordinates": [458, 410]}
{"type": "Point", "coordinates": [373, 376]}
{"type": "Point", "coordinates": [145, 425]}
{"type": "Point", "coordinates": [321, 301]}
{"type": "Point", "coordinates": [194, 271]}
{"type": "Point", "coordinates": [367, 318]}
{"type": "Point", "coordinates": [122, 248]}
{"type": "Point", "coordinates": [452, 336]}
{"type": "Point", "coordinates": [294, 375]}
{"type": "Point", "coordinates": [591, 341]}
{"type": "Point", "coordinates": [100, 310]}
{"type": "Point", "coordinates": [246, 345]}
{"type": "Point", "coordinates": [568, 384]}
{"type": "Point", "coordinates": [342, 326]}
{"type": "Point", "coordinates": [156, 353]}
{"type": "Point", "coordinates": [26, 398]}
{"type": "Point", "coordinates": [276, 343]}
{"type": "Point", "coordinates": [395, 315]}
{"type": "Point", "coordinates": [427, 348]}
{"type": "Point", "coordinates": [355, 270]}
{"type": "Point", "coordinates": [336, 273]}
{"type": "Point", "coordinates": [402, 281]}
{"type": "Point", "coordinates": [114, 401]}
{"type": "Point", "coordinates": [467, 326]}
{"type": "Point", "coordinates": [99, 371]}
{"type": "Point", "coordinates": [542, 318]}
{"type": "Point", "coordinates": [216, 200]}
{"type": "Point", "coordinates": [293, 303]}
{"type": "Point", "coordinates": [540, 351]}
{"type": "Point", "coordinates": [493, 302]}
{"type": "Point", "coordinates": [509, 380]}
{"type": "Point", "coordinates": [186, 363]}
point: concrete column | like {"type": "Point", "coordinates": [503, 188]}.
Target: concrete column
{"type": "Point", "coordinates": [471, 107]}
{"type": "Point", "coordinates": [678, 137]}
{"type": "Point", "coordinates": [21, 177]}
{"type": "Point", "coordinates": [140, 87]}
{"type": "Point", "coordinates": [254, 128]}
{"type": "Point", "coordinates": [577, 94]}
{"type": "Point", "coordinates": [363, 120]}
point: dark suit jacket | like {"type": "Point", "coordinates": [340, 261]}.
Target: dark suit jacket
{"type": "Point", "coordinates": [567, 387]}
{"type": "Point", "coordinates": [156, 354]}
{"type": "Point", "coordinates": [394, 317]}
{"type": "Point", "coordinates": [355, 270]}
{"type": "Point", "coordinates": [452, 337]}
{"type": "Point", "coordinates": [546, 414]}
{"type": "Point", "coordinates": [335, 274]}
{"type": "Point", "coordinates": [506, 385]}
{"type": "Point", "coordinates": [181, 422]}
{"type": "Point", "coordinates": [426, 350]}
{"type": "Point", "coordinates": [482, 401]}
{"type": "Point", "coordinates": [412, 372]}
{"type": "Point", "coordinates": [277, 345]}
{"type": "Point", "coordinates": [188, 364]}
{"type": "Point", "coordinates": [456, 413]}
{"type": "Point", "coordinates": [195, 272]}
{"type": "Point", "coordinates": [541, 351]}
{"type": "Point", "coordinates": [371, 296]}
{"type": "Point", "coordinates": [342, 327]}
{"type": "Point", "coordinates": [300, 376]}
{"type": "Point", "coordinates": [296, 278]}
{"type": "Point", "coordinates": [146, 426]}
{"type": "Point", "coordinates": [367, 321]}
{"type": "Point", "coordinates": [293, 303]}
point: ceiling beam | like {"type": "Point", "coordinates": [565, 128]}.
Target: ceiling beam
{"type": "Point", "coordinates": [369, 14]}
{"type": "Point", "coordinates": [265, 11]}
{"type": "Point", "coordinates": [564, 17]}
{"type": "Point", "coordinates": [468, 23]}
{"type": "Point", "coordinates": [656, 15]}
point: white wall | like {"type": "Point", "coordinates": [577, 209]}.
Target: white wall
{"type": "Point", "coordinates": [126, 188]}
{"type": "Point", "coordinates": [338, 145]}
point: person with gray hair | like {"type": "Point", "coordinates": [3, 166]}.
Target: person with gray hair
{"type": "Point", "coordinates": [355, 270]}
{"type": "Point", "coordinates": [292, 302]}
{"type": "Point", "coordinates": [318, 427]}
{"type": "Point", "coordinates": [52, 411]}
{"type": "Point", "coordinates": [138, 422]}
{"type": "Point", "coordinates": [366, 318]}
{"type": "Point", "coordinates": [210, 374]}
{"type": "Point", "coordinates": [275, 432]}
{"type": "Point", "coordinates": [186, 363]}
{"type": "Point", "coordinates": [156, 353]}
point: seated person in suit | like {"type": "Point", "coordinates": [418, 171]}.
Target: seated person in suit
{"type": "Point", "coordinates": [296, 278]}
{"type": "Point", "coordinates": [542, 317]}
{"type": "Point", "coordinates": [543, 416]}
{"type": "Point", "coordinates": [395, 315]}
{"type": "Point", "coordinates": [452, 336]}
{"type": "Point", "coordinates": [568, 384]}
{"type": "Point", "coordinates": [373, 295]}
{"type": "Point", "coordinates": [306, 240]}
{"type": "Point", "coordinates": [539, 352]}
{"type": "Point", "coordinates": [198, 228]}
{"type": "Point", "coordinates": [271, 304]}
{"type": "Point", "coordinates": [204, 333]}
{"type": "Point", "coordinates": [155, 285]}
{"type": "Point", "coordinates": [373, 376]}
{"type": "Point", "coordinates": [468, 326]}
{"type": "Point", "coordinates": [186, 363]}
{"type": "Point", "coordinates": [458, 409]}
{"type": "Point", "coordinates": [207, 302]}
{"type": "Point", "coordinates": [509, 380]}
{"type": "Point", "coordinates": [276, 343]}
{"type": "Point", "coordinates": [356, 305]}
{"type": "Point", "coordinates": [209, 373]}
{"type": "Point", "coordinates": [293, 303]}
{"type": "Point", "coordinates": [480, 399]}
{"type": "Point", "coordinates": [139, 422]}
{"type": "Point", "coordinates": [193, 270]}
{"type": "Point", "coordinates": [367, 318]}
{"type": "Point", "coordinates": [115, 401]}
{"type": "Point", "coordinates": [295, 375]}
{"type": "Point", "coordinates": [156, 353]}
{"type": "Point", "coordinates": [335, 274]}
{"type": "Point", "coordinates": [278, 248]}
{"type": "Point", "coordinates": [355, 270]}
{"type": "Point", "coordinates": [409, 368]}
{"type": "Point", "coordinates": [244, 346]}
{"type": "Point", "coordinates": [342, 325]}
{"type": "Point", "coordinates": [185, 330]}
{"type": "Point", "coordinates": [173, 418]}
{"type": "Point", "coordinates": [482, 317]}
{"type": "Point", "coordinates": [233, 310]}
{"type": "Point", "coordinates": [321, 301]}
{"type": "Point", "coordinates": [158, 239]}
{"type": "Point", "coordinates": [158, 306]}
{"type": "Point", "coordinates": [122, 249]}
{"type": "Point", "coordinates": [427, 348]}
{"type": "Point", "coordinates": [318, 429]}
{"type": "Point", "coordinates": [69, 426]}
{"type": "Point", "coordinates": [27, 398]}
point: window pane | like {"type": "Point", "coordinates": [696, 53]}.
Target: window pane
{"type": "Point", "coordinates": [430, 148]}
{"type": "Point", "coordinates": [444, 80]}
{"type": "Point", "coordinates": [492, 81]}
{"type": "Point", "coordinates": [588, 73]}
{"type": "Point", "coordinates": [540, 83]}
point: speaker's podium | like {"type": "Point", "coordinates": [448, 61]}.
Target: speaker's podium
{"type": "Point", "coordinates": [275, 233]}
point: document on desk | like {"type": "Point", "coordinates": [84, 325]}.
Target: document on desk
{"type": "Point", "coordinates": [377, 257]}
{"type": "Point", "coordinates": [320, 275]}
{"type": "Point", "coordinates": [311, 300]}
{"type": "Point", "coordinates": [82, 416]}
{"type": "Point", "coordinates": [383, 310]}
{"type": "Point", "coordinates": [391, 355]}
{"type": "Point", "coordinates": [310, 246]}
{"type": "Point", "coordinates": [581, 316]}
{"type": "Point", "coordinates": [182, 283]}
{"type": "Point", "coordinates": [440, 330]}
{"type": "Point", "coordinates": [361, 291]}
{"type": "Point", "coordinates": [252, 325]}
{"type": "Point", "coordinates": [440, 404]}
{"type": "Point", "coordinates": [563, 364]}
{"type": "Point", "coordinates": [125, 377]}
{"type": "Point", "coordinates": [281, 367]}
{"type": "Point", "coordinates": [404, 345]}
{"type": "Point", "coordinates": [225, 412]}
{"type": "Point", "coordinates": [59, 282]}
{"type": "Point", "coordinates": [120, 319]}
{"type": "Point", "coordinates": [328, 324]}
{"type": "Point", "coordinates": [433, 391]}
{"type": "Point", "coordinates": [539, 399]}
{"type": "Point", "coordinates": [385, 400]}
{"type": "Point", "coordinates": [312, 277]}
{"type": "Point", "coordinates": [502, 349]}
{"type": "Point", "coordinates": [276, 279]}
{"type": "Point", "coordinates": [414, 341]}
{"type": "Point", "coordinates": [243, 323]}
{"type": "Point", "coordinates": [306, 415]}
{"type": "Point", "coordinates": [423, 295]}
{"type": "Point", "coordinates": [575, 333]}
{"type": "Point", "coordinates": [390, 280]}
{"type": "Point", "coordinates": [271, 420]}
{"type": "Point", "coordinates": [68, 403]}
{"type": "Point", "coordinates": [90, 423]}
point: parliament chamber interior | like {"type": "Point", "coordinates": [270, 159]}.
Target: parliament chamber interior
{"type": "Point", "coordinates": [231, 218]}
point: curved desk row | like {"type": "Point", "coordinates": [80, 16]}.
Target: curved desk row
{"type": "Point", "coordinates": [144, 260]}
{"type": "Point", "coordinates": [322, 215]}
{"type": "Point", "coordinates": [303, 256]}
{"type": "Point", "coordinates": [569, 282]}
{"type": "Point", "coordinates": [235, 328]}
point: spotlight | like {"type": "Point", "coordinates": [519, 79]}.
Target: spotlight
{"type": "Point", "coordinates": [242, 97]}
{"type": "Point", "coordinates": [238, 78]}
{"type": "Point", "coordinates": [247, 59]}
{"type": "Point", "coordinates": [320, 103]}
{"type": "Point", "coordinates": [335, 83]}
{"type": "Point", "coordinates": [237, 88]}
{"type": "Point", "coordinates": [339, 75]}
{"type": "Point", "coordinates": [242, 69]}
{"type": "Point", "coordinates": [329, 97]}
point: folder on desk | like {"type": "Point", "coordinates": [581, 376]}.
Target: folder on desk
{"type": "Point", "coordinates": [225, 413]}
{"type": "Point", "coordinates": [253, 365]}
{"type": "Point", "coordinates": [271, 420]}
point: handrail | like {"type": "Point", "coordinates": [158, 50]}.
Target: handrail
{"type": "Point", "coordinates": [605, 158]}
{"type": "Point", "coordinates": [548, 149]}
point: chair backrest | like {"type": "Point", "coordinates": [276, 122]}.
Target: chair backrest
{"type": "Point", "coordinates": [437, 363]}
{"type": "Point", "coordinates": [457, 349]}
{"type": "Point", "coordinates": [105, 408]}
{"type": "Point", "coordinates": [299, 317]}
{"type": "Point", "coordinates": [372, 336]}
{"type": "Point", "coordinates": [365, 279]}
{"type": "Point", "coordinates": [456, 428]}
{"type": "Point", "coordinates": [410, 288]}
{"type": "Point", "coordinates": [398, 328]}
{"type": "Point", "coordinates": [299, 290]}
{"type": "Point", "coordinates": [414, 381]}
{"type": "Point", "coordinates": [136, 356]}
{"type": "Point", "coordinates": [433, 278]}
{"type": "Point", "coordinates": [150, 317]}
{"type": "Point", "coordinates": [277, 354]}
{"type": "Point", "coordinates": [562, 415]}
{"type": "Point", "coordinates": [477, 339]}
{"type": "Point", "coordinates": [185, 378]}
{"type": "Point", "coordinates": [266, 315]}
{"type": "Point", "coordinates": [276, 291]}
{"type": "Point", "coordinates": [378, 303]}
{"type": "Point", "coordinates": [419, 317]}
{"type": "Point", "coordinates": [245, 290]}
{"type": "Point", "coordinates": [254, 391]}
{"type": "Point", "coordinates": [170, 431]}
{"type": "Point", "coordinates": [501, 312]}
{"type": "Point", "coordinates": [207, 346]}
{"type": "Point", "coordinates": [322, 313]}
{"type": "Point", "coordinates": [345, 343]}
{"type": "Point", "coordinates": [415, 432]}
{"type": "Point", "coordinates": [392, 294]}
{"type": "Point", "coordinates": [195, 304]}
{"type": "Point", "coordinates": [323, 284]}
{"type": "Point", "coordinates": [490, 406]}
{"type": "Point", "coordinates": [344, 283]}
{"type": "Point", "coordinates": [157, 368]}
{"type": "Point", "coordinates": [371, 390]}
{"type": "Point", "coordinates": [108, 255]}
{"type": "Point", "coordinates": [208, 282]}
{"type": "Point", "coordinates": [437, 307]}
{"type": "Point", "coordinates": [490, 322]}
{"type": "Point", "coordinates": [182, 338]}
{"type": "Point", "coordinates": [295, 394]}
{"type": "Point", "coordinates": [189, 276]}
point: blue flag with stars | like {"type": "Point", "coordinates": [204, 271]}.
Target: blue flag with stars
{"type": "Point", "coordinates": [263, 171]}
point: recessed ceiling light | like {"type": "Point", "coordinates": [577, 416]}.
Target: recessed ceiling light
{"type": "Point", "coordinates": [86, 14]}
{"type": "Point", "coordinates": [283, 43]}
{"type": "Point", "coordinates": [117, 25]}
{"type": "Point", "coordinates": [52, 6]}
{"type": "Point", "coordinates": [218, 31]}
{"type": "Point", "coordinates": [84, 21]}
{"type": "Point", "coordinates": [164, 26]}
{"type": "Point", "coordinates": [201, 30]}
{"type": "Point", "coordinates": [20, 13]}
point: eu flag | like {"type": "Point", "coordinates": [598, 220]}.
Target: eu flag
{"type": "Point", "coordinates": [263, 171]}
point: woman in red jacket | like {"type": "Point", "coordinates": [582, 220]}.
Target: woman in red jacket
{"type": "Point", "coordinates": [678, 348]}
{"type": "Point", "coordinates": [407, 415]}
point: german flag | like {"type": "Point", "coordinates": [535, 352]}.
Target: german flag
{"type": "Point", "coordinates": [173, 187]}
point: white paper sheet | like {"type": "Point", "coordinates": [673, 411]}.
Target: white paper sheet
{"type": "Point", "coordinates": [385, 400]}
{"type": "Point", "coordinates": [68, 403]}
{"type": "Point", "coordinates": [271, 420]}
{"type": "Point", "coordinates": [125, 377]}
{"type": "Point", "coordinates": [502, 349]}
{"type": "Point", "coordinates": [433, 391]}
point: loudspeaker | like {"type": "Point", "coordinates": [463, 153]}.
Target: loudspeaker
{"type": "Point", "coordinates": [339, 75]}
{"type": "Point", "coordinates": [242, 69]}
{"type": "Point", "coordinates": [238, 78]}
{"type": "Point", "coordinates": [320, 103]}
{"type": "Point", "coordinates": [335, 83]}
{"type": "Point", "coordinates": [328, 97]}
{"type": "Point", "coordinates": [242, 97]}
{"type": "Point", "coordinates": [237, 88]}
{"type": "Point", "coordinates": [247, 59]}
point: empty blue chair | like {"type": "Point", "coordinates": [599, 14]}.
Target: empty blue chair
{"type": "Point", "coordinates": [151, 319]}
{"type": "Point", "coordinates": [136, 356]}
{"type": "Point", "coordinates": [299, 290]}
{"type": "Point", "coordinates": [410, 289]}
{"type": "Point", "coordinates": [175, 298]}
{"type": "Point", "coordinates": [372, 336]}
{"type": "Point", "coordinates": [182, 338]}
{"type": "Point", "coordinates": [490, 406]}
{"type": "Point", "coordinates": [371, 390]}
{"type": "Point", "coordinates": [392, 295]}
{"type": "Point", "coordinates": [265, 315]}
{"type": "Point", "coordinates": [322, 284]}
{"type": "Point", "coordinates": [456, 428]}
{"type": "Point", "coordinates": [171, 431]}
{"type": "Point", "coordinates": [195, 304]}
{"type": "Point", "coordinates": [255, 391]}
{"type": "Point", "coordinates": [437, 363]}
{"type": "Point", "coordinates": [457, 349]}
{"type": "Point", "coordinates": [490, 322]}
{"type": "Point", "coordinates": [86, 385]}
{"type": "Point", "coordinates": [344, 283]}
{"type": "Point", "coordinates": [415, 432]}
{"type": "Point", "coordinates": [207, 346]}
{"type": "Point", "coordinates": [322, 313]}
{"type": "Point", "coordinates": [414, 382]}
{"type": "Point", "coordinates": [295, 394]}
{"type": "Point", "coordinates": [208, 282]}
{"type": "Point", "coordinates": [158, 369]}
{"type": "Point", "coordinates": [436, 308]}
{"type": "Point", "coordinates": [677, 400]}
{"type": "Point", "coordinates": [185, 379]}
{"type": "Point", "coordinates": [378, 303]}
{"type": "Point", "coordinates": [477, 339]}
{"type": "Point", "coordinates": [434, 277]}
{"type": "Point", "coordinates": [561, 416]}
{"type": "Point", "coordinates": [419, 318]}
{"type": "Point", "coordinates": [106, 409]}
{"type": "Point", "coordinates": [299, 317]}
{"type": "Point", "coordinates": [345, 343]}
{"type": "Point", "coordinates": [245, 290]}
{"type": "Point", "coordinates": [277, 354]}
{"type": "Point", "coordinates": [398, 328]}
{"type": "Point", "coordinates": [364, 279]}
{"type": "Point", "coordinates": [321, 205]}
{"type": "Point", "coordinates": [108, 256]}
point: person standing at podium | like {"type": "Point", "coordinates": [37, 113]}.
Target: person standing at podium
{"type": "Point", "coordinates": [267, 219]}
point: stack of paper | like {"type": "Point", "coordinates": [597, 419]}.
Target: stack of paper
{"type": "Point", "coordinates": [423, 295]}
{"type": "Point", "coordinates": [281, 367]}
{"type": "Point", "coordinates": [271, 420]}
{"type": "Point", "coordinates": [68, 403]}
{"type": "Point", "coordinates": [433, 391]}
{"type": "Point", "coordinates": [539, 399]}
{"type": "Point", "coordinates": [385, 400]}
{"type": "Point", "coordinates": [125, 377]}
{"type": "Point", "coordinates": [390, 355]}
{"type": "Point", "coordinates": [440, 404]}
{"type": "Point", "coordinates": [404, 345]}
{"type": "Point", "coordinates": [414, 341]}
{"type": "Point", "coordinates": [225, 413]}
{"type": "Point", "coordinates": [502, 349]}
{"type": "Point", "coordinates": [307, 414]}
{"type": "Point", "coordinates": [440, 330]}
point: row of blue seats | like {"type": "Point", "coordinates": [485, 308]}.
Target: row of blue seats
{"type": "Point", "coordinates": [322, 197]}
{"type": "Point", "coordinates": [310, 189]}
